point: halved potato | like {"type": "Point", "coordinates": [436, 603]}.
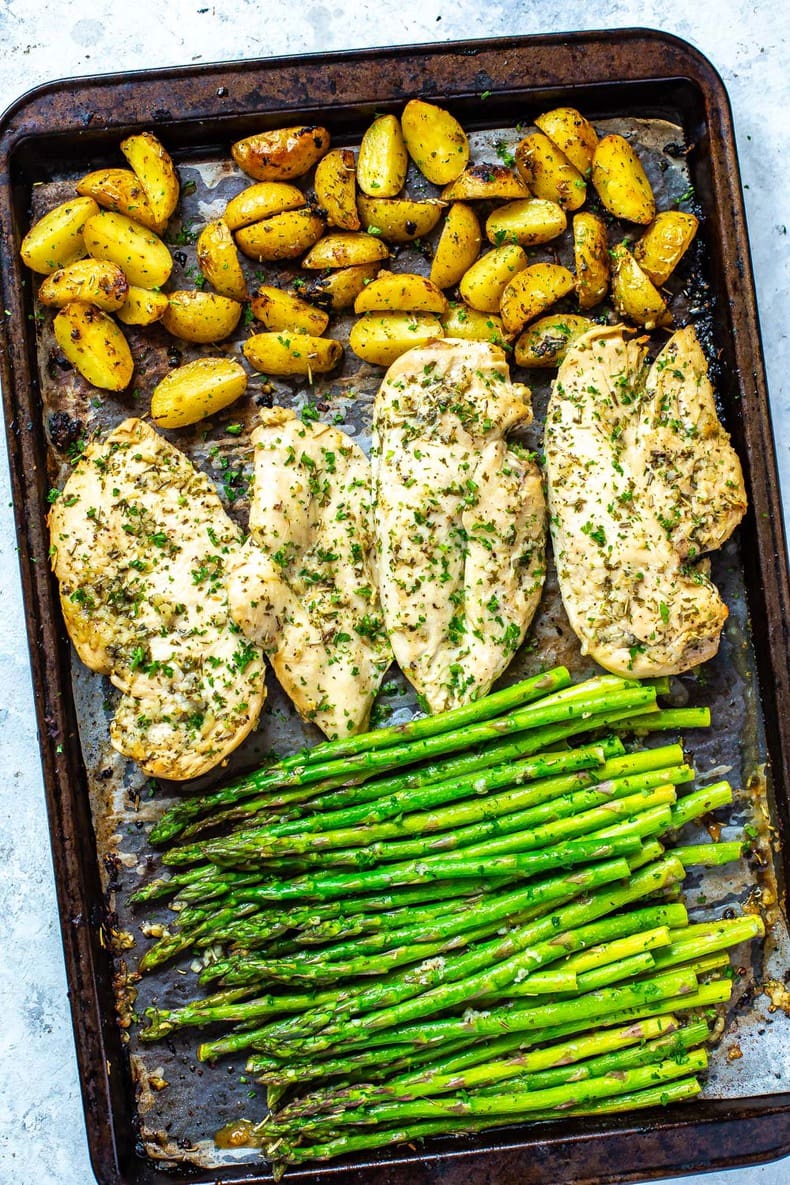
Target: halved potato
{"type": "Point", "coordinates": [435, 140]}
{"type": "Point", "coordinates": [472, 325]}
{"type": "Point", "coordinates": [339, 289]}
{"type": "Point", "coordinates": [574, 135]}
{"type": "Point", "coordinates": [218, 260]}
{"type": "Point", "coordinates": [591, 255]}
{"type": "Point", "coordinates": [201, 316]}
{"type": "Point", "coordinates": [261, 201]}
{"type": "Point", "coordinates": [546, 341]}
{"type": "Point", "coordinates": [56, 240]}
{"type": "Point", "coordinates": [620, 181]}
{"type": "Point", "coordinates": [633, 294]}
{"type": "Point", "coordinates": [485, 281]}
{"type": "Point", "coordinates": [281, 154]}
{"type": "Point", "coordinates": [380, 338]}
{"type": "Point", "coordinates": [400, 292]}
{"type": "Point", "coordinates": [345, 249]}
{"type": "Point", "coordinates": [458, 246]}
{"type": "Point", "coordinates": [549, 173]}
{"type": "Point", "coordinates": [191, 392]}
{"type": "Point", "coordinates": [292, 353]}
{"type": "Point", "coordinates": [531, 292]}
{"type": "Point", "coordinates": [120, 190]}
{"type": "Point", "coordinates": [336, 188]}
{"type": "Point", "coordinates": [383, 159]}
{"type": "Point", "coordinates": [95, 345]}
{"type": "Point", "coordinates": [664, 244]}
{"type": "Point", "coordinates": [283, 236]}
{"type": "Point", "coordinates": [91, 281]}
{"type": "Point", "coordinates": [399, 220]}
{"type": "Point", "coordinates": [481, 182]}
{"type": "Point", "coordinates": [282, 310]}
{"type": "Point", "coordinates": [151, 161]}
{"type": "Point", "coordinates": [142, 256]}
{"type": "Point", "coordinates": [142, 307]}
{"type": "Point", "coordinates": [528, 221]}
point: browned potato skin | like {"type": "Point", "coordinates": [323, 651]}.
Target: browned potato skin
{"type": "Point", "coordinates": [633, 294]}
{"type": "Point", "coordinates": [620, 181]}
{"type": "Point", "coordinates": [156, 172]}
{"type": "Point", "coordinates": [345, 249]}
{"type": "Point", "coordinates": [95, 345]}
{"type": "Point", "coordinates": [481, 182]}
{"type": "Point", "coordinates": [282, 154]}
{"type": "Point", "coordinates": [336, 189]}
{"type": "Point", "coordinates": [201, 316]}
{"type": "Point", "coordinates": [57, 240]}
{"type": "Point", "coordinates": [91, 281]}
{"type": "Point", "coordinates": [435, 140]}
{"type": "Point", "coordinates": [277, 309]}
{"type": "Point", "coordinates": [664, 244]}
{"type": "Point", "coordinates": [142, 307]}
{"type": "Point", "coordinates": [339, 289]}
{"type": "Point", "coordinates": [531, 292]}
{"type": "Point", "coordinates": [458, 246]}
{"type": "Point", "coordinates": [401, 292]}
{"type": "Point", "coordinates": [122, 191]}
{"type": "Point", "coordinates": [218, 260]}
{"type": "Point", "coordinates": [545, 342]}
{"type": "Point", "coordinates": [528, 221]}
{"type": "Point", "coordinates": [260, 201]}
{"type": "Point", "coordinates": [574, 135]}
{"type": "Point", "coordinates": [383, 159]}
{"type": "Point", "coordinates": [591, 254]}
{"type": "Point", "coordinates": [283, 236]}
{"type": "Point", "coordinates": [549, 173]}
{"type": "Point", "coordinates": [399, 220]}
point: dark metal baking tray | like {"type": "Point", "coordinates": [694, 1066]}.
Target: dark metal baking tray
{"type": "Point", "coordinates": [58, 129]}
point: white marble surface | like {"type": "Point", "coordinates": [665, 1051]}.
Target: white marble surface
{"type": "Point", "coordinates": [41, 1131]}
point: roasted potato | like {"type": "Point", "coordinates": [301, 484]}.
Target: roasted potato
{"type": "Point", "coordinates": [191, 392]}
{"type": "Point", "coordinates": [277, 309]}
{"type": "Point", "coordinates": [283, 236]}
{"type": "Point", "coordinates": [91, 281]}
{"type": "Point", "coordinates": [400, 292]}
{"type": "Point", "coordinates": [435, 140]}
{"type": "Point", "coordinates": [383, 159]}
{"type": "Point", "coordinates": [620, 181]}
{"type": "Point", "coordinates": [380, 338]}
{"type": "Point", "coordinates": [141, 255]}
{"type": "Point", "coordinates": [95, 345]}
{"type": "Point", "coordinates": [56, 240]}
{"type": "Point", "coordinates": [549, 173]}
{"type": "Point", "coordinates": [339, 289]}
{"type": "Point", "coordinates": [218, 260]}
{"type": "Point", "coordinates": [142, 307]}
{"type": "Point", "coordinates": [292, 353]}
{"type": "Point", "coordinates": [399, 220]}
{"type": "Point", "coordinates": [260, 201]}
{"type": "Point", "coordinates": [591, 255]}
{"type": "Point", "coordinates": [527, 221]}
{"type": "Point", "coordinates": [120, 190]}
{"type": "Point", "coordinates": [461, 321]}
{"type": "Point", "coordinates": [633, 294]}
{"type": "Point", "coordinates": [531, 292]}
{"type": "Point", "coordinates": [546, 341]}
{"type": "Point", "coordinates": [336, 188]}
{"type": "Point", "coordinates": [345, 249]}
{"type": "Point", "coordinates": [574, 135]}
{"type": "Point", "coordinates": [157, 175]}
{"type": "Point", "coordinates": [485, 281]}
{"type": "Point", "coordinates": [458, 246]}
{"type": "Point", "coordinates": [484, 182]}
{"type": "Point", "coordinates": [281, 154]}
{"type": "Point", "coordinates": [664, 244]}
{"type": "Point", "coordinates": [201, 316]}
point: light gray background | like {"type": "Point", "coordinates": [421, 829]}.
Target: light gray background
{"type": "Point", "coordinates": [42, 1139]}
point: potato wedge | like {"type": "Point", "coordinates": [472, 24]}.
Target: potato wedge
{"type": "Point", "coordinates": [261, 201]}
{"type": "Point", "coordinates": [471, 325]}
{"type": "Point", "coordinates": [142, 307]}
{"type": "Point", "coordinates": [485, 281]}
{"type": "Point", "coordinates": [546, 341]}
{"type": "Point", "coordinates": [283, 236]}
{"type": "Point", "coordinates": [151, 161]}
{"type": "Point", "coordinates": [400, 292]}
{"type": "Point", "coordinates": [218, 260]}
{"type": "Point", "coordinates": [380, 338]}
{"type": "Point", "coordinates": [399, 220]}
{"type": "Point", "coordinates": [458, 246]}
{"type": "Point", "coordinates": [549, 173]}
{"type": "Point", "coordinates": [201, 316]}
{"type": "Point", "coordinates": [664, 244]}
{"type": "Point", "coordinates": [483, 182]}
{"type": "Point", "coordinates": [56, 240]}
{"type": "Point", "coordinates": [435, 140]}
{"type": "Point", "coordinates": [531, 292]}
{"type": "Point", "coordinates": [95, 345]}
{"type": "Point", "coordinates": [339, 289]}
{"type": "Point", "coordinates": [633, 294]}
{"type": "Point", "coordinates": [574, 135]}
{"type": "Point", "coordinates": [91, 281]}
{"type": "Point", "coordinates": [336, 188]}
{"type": "Point", "coordinates": [528, 221]}
{"type": "Point", "coordinates": [122, 191]}
{"type": "Point", "coordinates": [620, 181]}
{"type": "Point", "coordinates": [142, 256]}
{"type": "Point", "coordinates": [345, 249]}
{"type": "Point", "coordinates": [292, 353]}
{"type": "Point", "coordinates": [591, 255]}
{"type": "Point", "coordinates": [281, 154]}
{"type": "Point", "coordinates": [190, 393]}
{"type": "Point", "coordinates": [383, 159]}
{"type": "Point", "coordinates": [277, 309]}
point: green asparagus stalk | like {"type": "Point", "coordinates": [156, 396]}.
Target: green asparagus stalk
{"type": "Point", "coordinates": [709, 855]}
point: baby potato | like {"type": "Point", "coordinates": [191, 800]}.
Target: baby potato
{"type": "Point", "coordinates": [471, 325]}
{"type": "Point", "coordinates": [260, 201]}
{"type": "Point", "coordinates": [345, 249]}
{"type": "Point", "coordinates": [190, 393]}
{"type": "Point", "coordinates": [485, 281]}
{"type": "Point", "coordinates": [531, 292]}
{"type": "Point", "coordinates": [458, 246]}
{"type": "Point", "coordinates": [156, 172]}
{"type": "Point", "coordinates": [664, 244]}
{"type": "Point", "coordinates": [380, 338]}
{"type": "Point", "coordinates": [399, 220]}
{"type": "Point", "coordinates": [142, 307]}
{"type": "Point", "coordinates": [435, 140]}
{"type": "Point", "coordinates": [633, 294]}
{"type": "Point", "coordinates": [549, 173]}
{"type": "Point", "coordinates": [282, 236]}
{"type": "Point", "coordinates": [591, 255]}
{"type": "Point", "coordinates": [91, 281]}
{"type": "Point", "coordinates": [482, 182]}
{"type": "Point", "coordinates": [282, 310]}
{"type": "Point", "coordinates": [142, 256]}
{"type": "Point", "coordinates": [336, 190]}
{"type": "Point", "coordinates": [57, 239]}
{"type": "Point", "coordinates": [292, 353]}
{"type": "Point", "coordinates": [400, 292]}
{"type": "Point", "coordinates": [575, 136]}
{"type": "Point", "coordinates": [122, 191]}
{"type": "Point", "coordinates": [95, 345]}
{"type": "Point", "coordinates": [383, 159]}
{"type": "Point", "coordinates": [201, 316]}
{"type": "Point", "coordinates": [281, 154]}
{"type": "Point", "coordinates": [528, 221]}
{"type": "Point", "coordinates": [620, 181]}
{"type": "Point", "coordinates": [218, 260]}
{"type": "Point", "coordinates": [546, 341]}
{"type": "Point", "coordinates": [339, 289]}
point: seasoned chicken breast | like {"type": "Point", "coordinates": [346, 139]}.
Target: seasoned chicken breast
{"type": "Point", "coordinates": [302, 586]}
{"type": "Point", "coordinates": [642, 480]}
{"type": "Point", "coordinates": [140, 546]}
{"type": "Point", "coordinates": [459, 518]}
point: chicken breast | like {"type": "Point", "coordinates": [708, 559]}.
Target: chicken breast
{"type": "Point", "coordinates": [303, 586]}
{"type": "Point", "coordinates": [460, 518]}
{"type": "Point", "coordinates": [642, 480]}
{"type": "Point", "coordinates": [140, 545]}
